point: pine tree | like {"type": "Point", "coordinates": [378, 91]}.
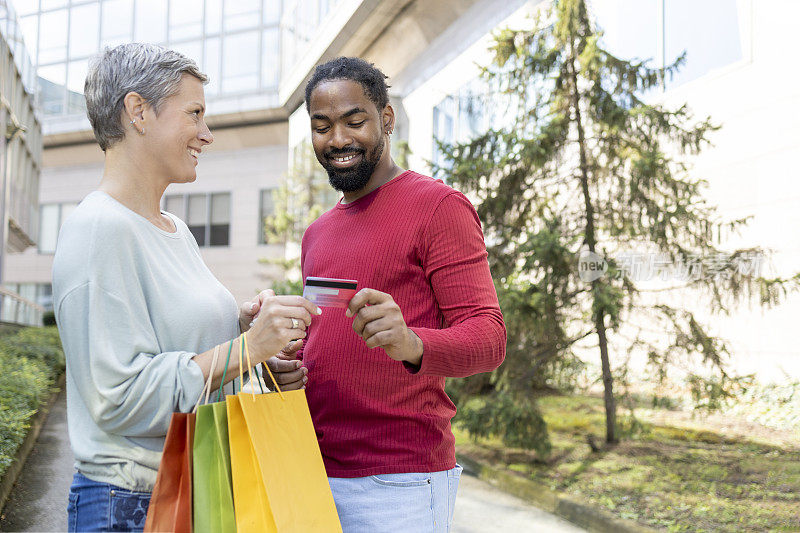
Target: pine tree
{"type": "Point", "coordinates": [584, 170]}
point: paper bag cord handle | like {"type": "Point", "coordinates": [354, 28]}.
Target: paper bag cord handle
{"type": "Point", "coordinates": [211, 374]}
{"type": "Point", "coordinates": [207, 386]}
{"type": "Point", "coordinates": [251, 368]}
{"type": "Point", "coordinates": [241, 361]}
{"type": "Point", "coordinates": [274, 382]}
{"type": "Point", "coordinates": [225, 370]}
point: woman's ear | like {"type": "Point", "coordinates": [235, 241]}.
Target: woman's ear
{"type": "Point", "coordinates": [133, 110]}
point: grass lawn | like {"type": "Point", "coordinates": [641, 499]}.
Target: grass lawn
{"type": "Point", "coordinates": [680, 476]}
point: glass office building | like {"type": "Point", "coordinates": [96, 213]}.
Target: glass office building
{"type": "Point", "coordinates": [238, 43]}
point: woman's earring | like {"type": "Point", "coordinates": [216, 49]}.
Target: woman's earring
{"type": "Point", "coordinates": [133, 121]}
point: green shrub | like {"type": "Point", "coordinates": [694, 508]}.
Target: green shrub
{"type": "Point", "coordinates": [31, 360]}
{"type": "Point", "coordinates": [39, 344]}
{"type": "Point", "coordinates": [518, 423]}
{"type": "Point", "coordinates": [49, 318]}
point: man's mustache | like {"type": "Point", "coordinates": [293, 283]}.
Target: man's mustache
{"type": "Point", "coordinates": [347, 150]}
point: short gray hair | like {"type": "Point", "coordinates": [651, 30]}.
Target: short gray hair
{"type": "Point", "coordinates": [150, 70]}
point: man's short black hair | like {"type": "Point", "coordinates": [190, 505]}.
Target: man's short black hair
{"type": "Point", "coordinates": [356, 69]}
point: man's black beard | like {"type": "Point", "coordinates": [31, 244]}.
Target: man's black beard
{"type": "Point", "coordinates": [356, 178]}
{"type": "Point", "coordinates": [353, 179]}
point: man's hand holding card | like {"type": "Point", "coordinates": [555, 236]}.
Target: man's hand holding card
{"type": "Point", "coordinates": [379, 321]}
{"type": "Point", "coordinates": [377, 317]}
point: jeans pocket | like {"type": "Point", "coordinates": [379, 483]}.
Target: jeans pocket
{"type": "Point", "coordinates": [72, 512]}
{"type": "Point", "coordinates": [402, 480]}
{"type": "Point", "coordinates": [127, 510]}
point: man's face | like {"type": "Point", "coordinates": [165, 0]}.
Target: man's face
{"type": "Point", "coordinates": [347, 133]}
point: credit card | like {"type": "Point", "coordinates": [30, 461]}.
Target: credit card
{"type": "Point", "coordinates": [329, 292]}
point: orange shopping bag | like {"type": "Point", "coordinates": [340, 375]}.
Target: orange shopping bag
{"type": "Point", "coordinates": [279, 479]}
{"type": "Point", "coordinates": [171, 501]}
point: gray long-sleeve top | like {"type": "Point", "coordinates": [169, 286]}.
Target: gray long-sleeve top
{"type": "Point", "coordinates": [133, 304]}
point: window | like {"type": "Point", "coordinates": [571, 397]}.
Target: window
{"type": "Point", "coordinates": [213, 17]}
{"type": "Point", "coordinates": [208, 216]}
{"type": "Point", "coordinates": [462, 116]}
{"type": "Point", "coordinates": [76, 77]}
{"type": "Point", "coordinates": [220, 226]}
{"type": "Point", "coordinates": [211, 65]}
{"type": "Point", "coordinates": [267, 208]}
{"type": "Point", "coordinates": [53, 36]}
{"type": "Point", "coordinates": [176, 206]}
{"type": "Point", "coordinates": [443, 126]}
{"type": "Point", "coordinates": [708, 31]}
{"type": "Point", "coordinates": [117, 22]}
{"type": "Point", "coordinates": [197, 216]}
{"type": "Point", "coordinates": [51, 217]}
{"type": "Point", "coordinates": [270, 58]}
{"type": "Point", "coordinates": [273, 10]}
{"type": "Point", "coordinates": [51, 88]}
{"type": "Point", "coordinates": [630, 28]}
{"type": "Point", "coordinates": [237, 43]}
{"type": "Point", "coordinates": [151, 21]}
{"type": "Point", "coordinates": [84, 27]}
{"type": "Point", "coordinates": [30, 31]}
{"type": "Point", "coordinates": [239, 71]}
{"type": "Point", "coordinates": [242, 14]}
{"type": "Point", "coordinates": [44, 295]}
{"type": "Point", "coordinates": [185, 19]}
{"type": "Point", "coordinates": [192, 49]}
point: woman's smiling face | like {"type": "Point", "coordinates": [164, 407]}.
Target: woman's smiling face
{"type": "Point", "coordinates": [178, 132]}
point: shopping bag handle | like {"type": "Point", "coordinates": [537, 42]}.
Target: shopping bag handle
{"type": "Point", "coordinates": [249, 365]}
{"type": "Point", "coordinates": [225, 370]}
{"type": "Point", "coordinates": [207, 386]}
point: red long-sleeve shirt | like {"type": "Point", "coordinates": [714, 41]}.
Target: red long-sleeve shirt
{"type": "Point", "coordinates": [420, 241]}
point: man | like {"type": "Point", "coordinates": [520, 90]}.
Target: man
{"type": "Point", "coordinates": [427, 310]}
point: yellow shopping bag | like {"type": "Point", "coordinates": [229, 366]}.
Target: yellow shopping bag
{"type": "Point", "coordinates": [279, 480]}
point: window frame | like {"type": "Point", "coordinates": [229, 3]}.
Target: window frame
{"type": "Point", "coordinates": [59, 223]}
{"type": "Point", "coordinates": [184, 198]}
{"type": "Point", "coordinates": [262, 241]}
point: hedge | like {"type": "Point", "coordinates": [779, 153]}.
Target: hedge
{"type": "Point", "coordinates": [31, 360]}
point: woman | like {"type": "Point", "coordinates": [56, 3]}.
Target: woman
{"type": "Point", "coordinates": [138, 311]}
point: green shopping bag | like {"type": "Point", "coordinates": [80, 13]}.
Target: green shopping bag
{"type": "Point", "coordinates": [212, 509]}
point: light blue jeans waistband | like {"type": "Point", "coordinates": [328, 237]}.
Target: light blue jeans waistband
{"type": "Point", "coordinates": [389, 503]}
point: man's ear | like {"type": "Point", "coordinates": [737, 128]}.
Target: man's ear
{"type": "Point", "coordinates": [387, 119]}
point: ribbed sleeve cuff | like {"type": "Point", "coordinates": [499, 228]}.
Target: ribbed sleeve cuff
{"type": "Point", "coordinates": [431, 350]}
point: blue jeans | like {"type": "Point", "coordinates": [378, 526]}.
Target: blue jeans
{"type": "Point", "coordinates": [95, 506]}
{"type": "Point", "coordinates": [388, 503]}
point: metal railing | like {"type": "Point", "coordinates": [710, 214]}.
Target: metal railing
{"type": "Point", "coordinates": [18, 310]}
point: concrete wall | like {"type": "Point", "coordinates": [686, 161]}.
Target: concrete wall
{"type": "Point", "coordinates": [752, 170]}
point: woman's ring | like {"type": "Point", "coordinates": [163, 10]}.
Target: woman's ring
{"type": "Point", "coordinates": [295, 323]}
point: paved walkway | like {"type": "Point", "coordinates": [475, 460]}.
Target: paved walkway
{"type": "Point", "coordinates": [39, 500]}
